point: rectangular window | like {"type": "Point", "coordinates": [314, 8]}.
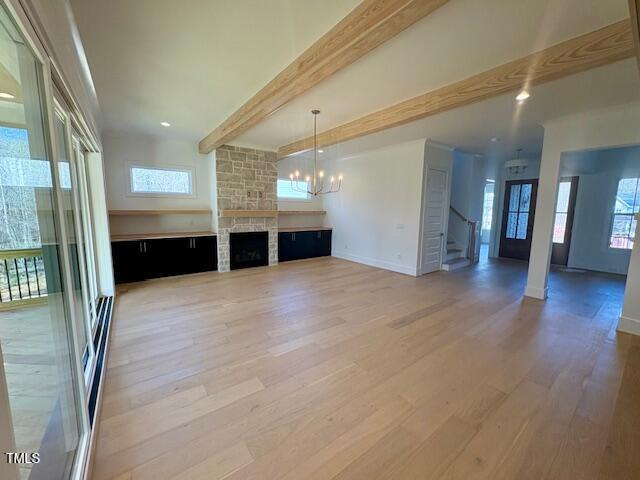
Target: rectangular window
{"type": "Point", "coordinates": [487, 206]}
{"type": "Point", "coordinates": [623, 223]}
{"type": "Point", "coordinates": [288, 190]}
{"type": "Point", "coordinates": [161, 181]}
{"type": "Point", "coordinates": [562, 211]}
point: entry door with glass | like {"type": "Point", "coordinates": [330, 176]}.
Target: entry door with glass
{"type": "Point", "coordinates": [517, 218]}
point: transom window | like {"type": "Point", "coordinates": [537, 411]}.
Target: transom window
{"type": "Point", "coordinates": [161, 181]}
{"type": "Point", "coordinates": [286, 190]}
{"type": "Point", "coordinates": [518, 215]}
{"type": "Point", "coordinates": [627, 204]}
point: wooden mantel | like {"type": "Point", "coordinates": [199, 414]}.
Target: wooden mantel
{"type": "Point", "coordinates": [249, 213]}
{"type": "Point", "coordinates": [268, 213]}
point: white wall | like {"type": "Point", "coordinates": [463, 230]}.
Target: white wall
{"type": "Point", "coordinates": [122, 150]}
{"type": "Point", "coordinates": [376, 216]}
{"type": "Point", "coordinates": [599, 173]}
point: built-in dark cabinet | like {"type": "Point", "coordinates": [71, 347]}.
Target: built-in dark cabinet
{"type": "Point", "coordinates": [135, 260]}
{"type": "Point", "coordinates": [303, 244]}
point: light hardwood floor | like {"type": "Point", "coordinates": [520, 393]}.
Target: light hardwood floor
{"type": "Point", "coordinates": [329, 369]}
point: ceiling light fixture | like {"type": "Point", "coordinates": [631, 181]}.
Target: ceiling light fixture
{"type": "Point", "coordinates": [320, 151]}
{"type": "Point", "coordinates": [522, 96]}
{"type": "Point", "coordinates": [6, 95]}
{"type": "Point", "coordinates": [165, 124]}
{"type": "Point", "coordinates": [315, 184]}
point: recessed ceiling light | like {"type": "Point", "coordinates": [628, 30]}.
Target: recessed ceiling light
{"type": "Point", "coordinates": [165, 124]}
{"type": "Point", "coordinates": [320, 151]}
{"type": "Point", "coordinates": [522, 96]}
{"type": "Point", "coordinates": [6, 95]}
{"type": "Point", "coordinates": [495, 139]}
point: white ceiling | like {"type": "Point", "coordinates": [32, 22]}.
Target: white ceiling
{"type": "Point", "coordinates": [193, 63]}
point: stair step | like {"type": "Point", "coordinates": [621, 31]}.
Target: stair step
{"type": "Point", "coordinates": [453, 250]}
{"type": "Point", "coordinates": [455, 264]}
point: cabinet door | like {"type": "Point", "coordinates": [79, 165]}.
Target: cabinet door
{"type": "Point", "coordinates": [165, 257]}
{"type": "Point", "coordinates": [304, 244]}
{"type": "Point", "coordinates": [203, 254]}
{"type": "Point", "coordinates": [285, 246]}
{"type": "Point", "coordinates": [128, 261]}
{"type": "Point", "coordinates": [325, 243]}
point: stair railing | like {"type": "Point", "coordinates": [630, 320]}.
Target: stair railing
{"type": "Point", "coordinates": [472, 240]}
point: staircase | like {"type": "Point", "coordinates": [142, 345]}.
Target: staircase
{"type": "Point", "coordinates": [456, 257]}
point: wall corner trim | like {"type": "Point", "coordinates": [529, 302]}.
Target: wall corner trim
{"type": "Point", "coordinates": [628, 325]}
{"type": "Point", "coordinates": [535, 292]}
{"type": "Point", "coordinates": [372, 262]}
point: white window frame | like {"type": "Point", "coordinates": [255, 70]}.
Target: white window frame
{"type": "Point", "coordinates": [292, 199]}
{"type": "Point", "coordinates": [171, 168]}
{"type": "Point", "coordinates": [613, 216]}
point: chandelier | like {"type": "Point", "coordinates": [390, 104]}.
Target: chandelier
{"type": "Point", "coordinates": [315, 185]}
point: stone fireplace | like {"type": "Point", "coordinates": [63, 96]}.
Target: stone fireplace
{"type": "Point", "coordinates": [245, 180]}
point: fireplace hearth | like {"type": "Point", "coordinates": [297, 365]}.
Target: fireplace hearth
{"type": "Point", "coordinates": [249, 249]}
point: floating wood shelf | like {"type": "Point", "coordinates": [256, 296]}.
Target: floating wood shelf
{"type": "Point", "coordinates": [141, 213]}
{"type": "Point", "coordinates": [249, 213]}
{"type": "Point", "coordinates": [301, 212]}
{"type": "Point", "coordinates": [303, 229]}
{"type": "Point", "coordinates": [151, 236]}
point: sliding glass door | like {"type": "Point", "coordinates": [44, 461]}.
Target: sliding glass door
{"type": "Point", "coordinates": [42, 298]}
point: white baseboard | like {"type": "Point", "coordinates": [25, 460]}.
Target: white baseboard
{"type": "Point", "coordinates": [628, 325]}
{"type": "Point", "coordinates": [535, 292]}
{"type": "Point", "coordinates": [373, 262]}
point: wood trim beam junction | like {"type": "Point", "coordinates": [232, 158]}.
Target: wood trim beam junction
{"type": "Point", "coordinates": [368, 26]}
{"type": "Point", "coordinates": [634, 11]}
{"type": "Point", "coordinates": [606, 45]}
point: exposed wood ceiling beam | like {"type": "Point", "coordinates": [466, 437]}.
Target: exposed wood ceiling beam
{"type": "Point", "coordinates": [634, 10]}
{"type": "Point", "coordinates": [603, 46]}
{"type": "Point", "coordinates": [369, 25]}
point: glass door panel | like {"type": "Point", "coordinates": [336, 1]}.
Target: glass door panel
{"type": "Point", "coordinates": [74, 236]}
{"type": "Point", "coordinates": [36, 343]}
{"type": "Point", "coordinates": [87, 233]}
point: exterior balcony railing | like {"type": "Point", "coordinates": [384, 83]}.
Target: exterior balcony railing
{"type": "Point", "coordinates": [22, 278]}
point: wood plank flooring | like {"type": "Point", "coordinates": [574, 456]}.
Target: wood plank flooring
{"type": "Point", "coordinates": [33, 377]}
{"type": "Point", "coordinates": [327, 369]}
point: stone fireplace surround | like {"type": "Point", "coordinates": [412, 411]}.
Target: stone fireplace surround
{"type": "Point", "coordinates": [245, 180]}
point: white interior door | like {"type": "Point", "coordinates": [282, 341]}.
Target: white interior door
{"type": "Point", "coordinates": [433, 220]}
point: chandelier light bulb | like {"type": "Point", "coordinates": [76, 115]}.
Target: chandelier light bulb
{"type": "Point", "coordinates": [321, 174]}
{"type": "Point", "coordinates": [333, 179]}
{"type": "Point", "coordinates": [340, 177]}
{"type": "Point", "coordinates": [308, 178]}
{"type": "Point", "coordinates": [291, 176]}
{"type": "Point", "coordinates": [297, 173]}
